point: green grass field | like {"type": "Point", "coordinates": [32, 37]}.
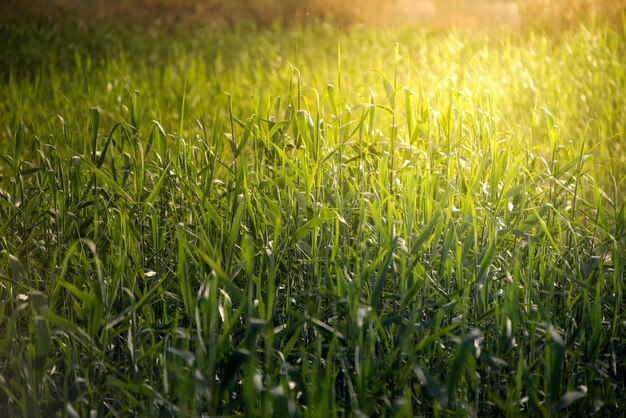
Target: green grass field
{"type": "Point", "coordinates": [307, 222]}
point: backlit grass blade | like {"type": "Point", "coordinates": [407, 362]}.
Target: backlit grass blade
{"type": "Point", "coordinates": [379, 283]}
{"type": "Point", "coordinates": [183, 271]}
{"type": "Point", "coordinates": [95, 128]}
{"type": "Point", "coordinates": [431, 384]}
{"type": "Point", "coordinates": [569, 398]}
{"type": "Point", "coordinates": [554, 363]}
{"type": "Point", "coordinates": [108, 181]}
{"type": "Point", "coordinates": [463, 361]}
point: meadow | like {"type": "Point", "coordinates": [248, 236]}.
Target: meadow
{"type": "Point", "coordinates": [312, 222]}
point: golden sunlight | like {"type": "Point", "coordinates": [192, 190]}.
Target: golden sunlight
{"type": "Point", "coordinates": [439, 14]}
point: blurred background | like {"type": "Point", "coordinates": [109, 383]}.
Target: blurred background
{"type": "Point", "coordinates": [545, 14]}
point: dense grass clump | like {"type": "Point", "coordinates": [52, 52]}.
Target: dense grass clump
{"type": "Point", "coordinates": [306, 223]}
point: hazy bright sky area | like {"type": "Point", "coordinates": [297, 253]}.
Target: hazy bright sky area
{"type": "Point", "coordinates": [516, 14]}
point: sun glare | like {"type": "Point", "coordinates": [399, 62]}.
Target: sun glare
{"type": "Point", "coordinates": [438, 14]}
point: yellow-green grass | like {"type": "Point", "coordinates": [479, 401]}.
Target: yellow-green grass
{"type": "Point", "coordinates": [312, 223]}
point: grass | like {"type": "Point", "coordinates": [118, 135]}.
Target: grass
{"type": "Point", "coordinates": [300, 222]}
